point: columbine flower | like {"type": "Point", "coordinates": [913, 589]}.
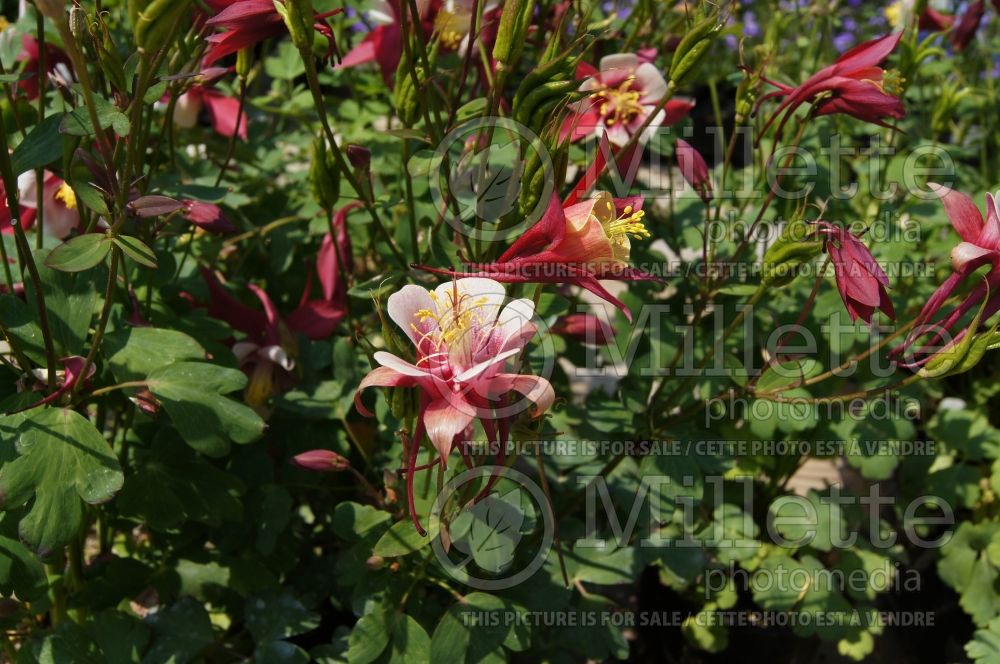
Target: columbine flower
{"type": "Point", "coordinates": [855, 85]}
{"type": "Point", "coordinates": [249, 22]}
{"type": "Point", "coordinates": [862, 282]}
{"type": "Point", "coordinates": [694, 169]}
{"type": "Point", "coordinates": [56, 63]}
{"type": "Point", "coordinates": [980, 246]}
{"type": "Point", "coordinates": [967, 25]}
{"type": "Point", "coordinates": [462, 338]}
{"type": "Point", "coordinates": [267, 352]}
{"type": "Point", "coordinates": [207, 216]}
{"type": "Point", "coordinates": [59, 201]}
{"type": "Point", "coordinates": [222, 109]}
{"type": "Point", "coordinates": [579, 245]}
{"type": "Point", "coordinates": [621, 95]}
{"type": "Point", "coordinates": [451, 20]}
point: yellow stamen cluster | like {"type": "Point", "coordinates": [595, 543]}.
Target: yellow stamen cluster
{"type": "Point", "coordinates": [619, 105]}
{"type": "Point", "coordinates": [66, 194]}
{"type": "Point", "coordinates": [629, 223]}
{"type": "Point", "coordinates": [454, 319]}
{"type": "Point", "coordinates": [451, 28]}
{"type": "Point", "coordinates": [4, 23]}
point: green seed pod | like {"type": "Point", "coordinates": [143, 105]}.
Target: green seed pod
{"type": "Point", "coordinates": [297, 15]}
{"type": "Point", "coordinates": [244, 62]}
{"type": "Point", "coordinates": [693, 48]}
{"type": "Point", "coordinates": [959, 358]}
{"type": "Point", "coordinates": [513, 30]}
{"type": "Point", "coordinates": [793, 248]}
{"type": "Point", "coordinates": [324, 176]}
{"type": "Point", "coordinates": [157, 22]}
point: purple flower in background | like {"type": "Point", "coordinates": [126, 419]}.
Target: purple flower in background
{"type": "Point", "coordinates": [751, 28]}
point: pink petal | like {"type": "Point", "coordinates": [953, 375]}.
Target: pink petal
{"type": "Point", "coordinates": [446, 419]}
{"type": "Point", "coordinates": [380, 377]}
{"type": "Point", "coordinates": [534, 388]}
{"type": "Point", "coordinates": [962, 212]}
{"type": "Point", "coordinates": [224, 111]}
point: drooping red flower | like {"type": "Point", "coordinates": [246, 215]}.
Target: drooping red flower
{"type": "Point", "coordinates": [249, 22]}
{"type": "Point", "coordinates": [931, 19]}
{"type": "Point", "coordinates": [222, 109]}
{"type": "Point", "coordinates": [980, 246]}
{"type": "Point", "coordinates": [967, 25]}
{"type": "Point", "coordinates": [580, 245]}
{"type": "Point", "coordinates": [861, 281]}
{"type": "Point", "coordinates": [855, 85]}
{"type": "Point", "coordinates": [207, 216]}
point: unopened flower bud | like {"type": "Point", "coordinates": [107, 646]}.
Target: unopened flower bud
{"type": "Point", "coordinates": [694, 169]}
{"type": "Point", "coordinates": [375, 563]}
{"type": "Point", "coordinates": [796, 246]}
{"type": "Point", "coordinates": [360, 157]}
{"type": "Point", "coordinates": [324, 461]}
{"type": "Point", "coordinates": [585, 328]}
{"type": "Point", "coordinates": [324, 176]}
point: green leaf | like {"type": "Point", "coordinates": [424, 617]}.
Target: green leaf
{"type": "Point", "coordinates": [133, 353]}
{"type": "Point", "coordinates": [137, 250]}
{"type": "Point", "coordinates": [62, 459]}
{"type": "Point", "coordinates": [490, 530]}
{"type": "Point", "coordinates": [985, 644]}
{"type": "Point", "coordinates": [274, 617]}
{"type": "Point", "coordinates": [192, 394]}
{"type": "Point", "coordinates": [410, 643]}
{"type": "Point", "coordinates": [42, 146]}
{"type": "Point", "coordinates": [369, 637]}
{"type": "Point", "coordinates": [182, 631]}
{"type": "Point", "coordinates": [79, 253]}
{"type": "Point", "coordinates": [21, 572]}
{"type": "Point", "coordinates": [87, 194]}
{"type": "Point", "coordinates": [403, 539]}
{"type": "Point", "coordinates": [280, 652]}
{"type": "Point", "coordinates": [120, 637]}
{"type": "Point", "coordinates": [78, 123]}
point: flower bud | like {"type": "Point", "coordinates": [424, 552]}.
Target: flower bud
{"type": "Point", "coordinates": [324, 461]}
{"type": "Point", "coordinates": [297, 15]}
{"type": "Point", "coordinates": [585, 328]}
{"type": "Point", "coordinates": [244, 62]}
{"type": "Point", "coordinates": [694, 169]}
{"type": "Point", "coordinates": [796, 246]}
{"type": "Point", "coordinates": [360, 157]}
{"type": "Point", "coordinates": [375, 563]}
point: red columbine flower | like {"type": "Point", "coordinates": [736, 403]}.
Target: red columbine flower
{"type": "Point", "coordinates": [967, 25]}
{"type": "Point", "coordinates": [578, 245]}
{"type": "Point", "coordinates": [222, 109]}
{"type": "Point", "coordinates": [980, 246]}
{"type": "Point", "coordinates": [855, 85]}
{"type": "Point", "coordinates": [694, 169]}
{"type": "Point", "coordinates": [622, 94]}
{"type": "Point", "coordinates": [61, 214]}
{"type": "Point", "coordinates": [56, 61]}
{"type": "Point", "coordinates": [249, 22]}
{"type": "Point", "coordinates": [462, 337]}
{"type": "Point", "coordinates": [267, 352]}
{"type": "Point", "coordinates": [931, 19]}
{"type": "Point", "coordinates": [862, 283]}
{"type": "Point", "coordinates": [207, 216]}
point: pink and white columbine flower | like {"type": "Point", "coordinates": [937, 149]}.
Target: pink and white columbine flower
{"type": "Point", "coordinates": [463, 336]}
{"type": "Point", "coordinates": [621, 95]}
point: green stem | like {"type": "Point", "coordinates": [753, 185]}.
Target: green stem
{"type": "Point", "coordinates": [109, 298]}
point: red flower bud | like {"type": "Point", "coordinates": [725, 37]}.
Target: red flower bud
{"type": "Point", "coordinates": [585, 328]}
{"type": "Point", "coordinates": [694, 169]}
{"type": "Point", "coordinates": [324, 461]}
